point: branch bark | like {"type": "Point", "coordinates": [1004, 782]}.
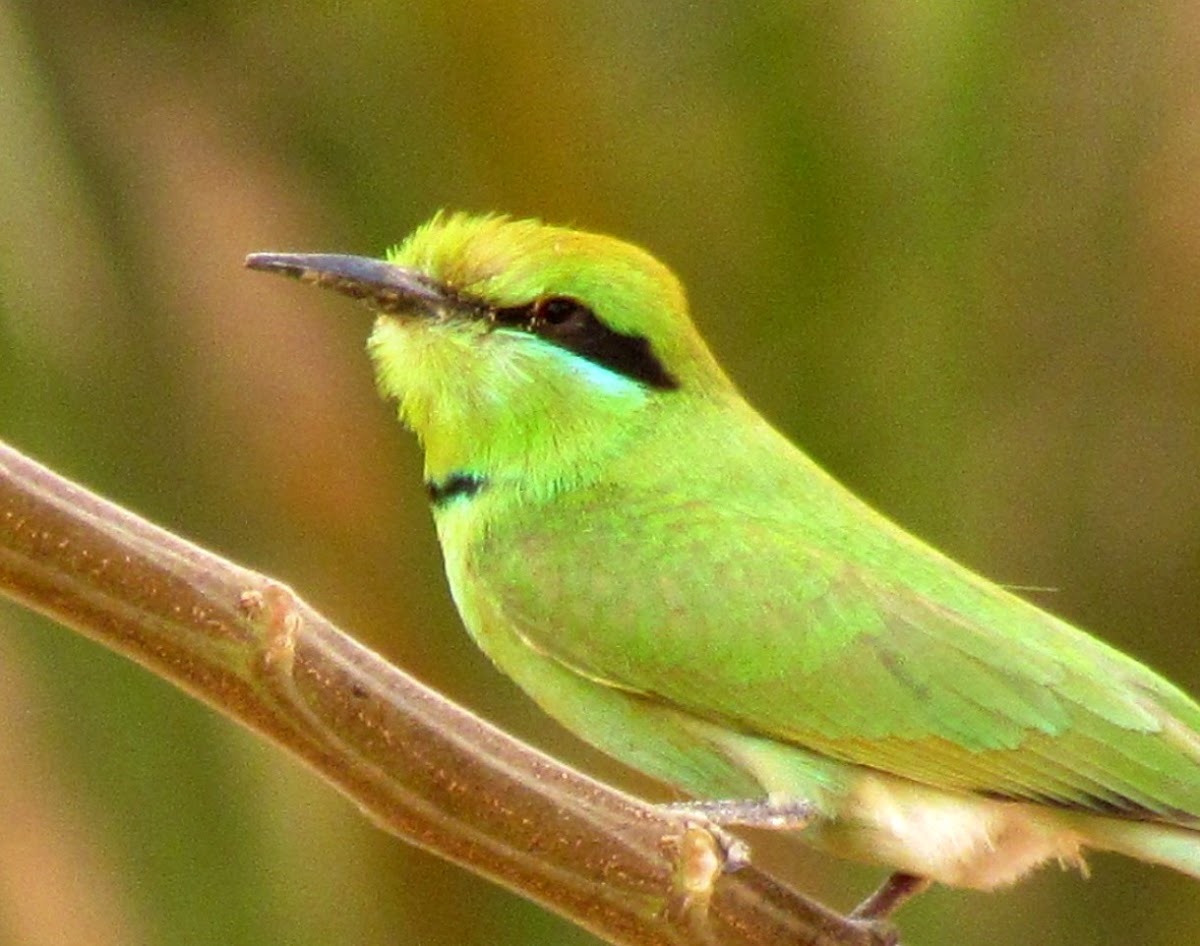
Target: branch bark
{"type": "Point", "coordinates": [422, 767]}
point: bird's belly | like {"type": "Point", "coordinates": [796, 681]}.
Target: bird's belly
{"type": "Point", "coordinates": [956, 839]}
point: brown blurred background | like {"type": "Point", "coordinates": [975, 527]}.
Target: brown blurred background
{"type": "Point", "coordinates": [954, 249]}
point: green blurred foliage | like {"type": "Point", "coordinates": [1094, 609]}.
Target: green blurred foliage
{"type": "Point", "coordinates": [954, 249]}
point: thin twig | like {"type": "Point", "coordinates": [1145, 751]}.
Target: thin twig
{"type": "Point", "coordinates": [419, 765]}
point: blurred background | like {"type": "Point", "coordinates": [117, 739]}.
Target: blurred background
{"type": "Point", "coordinates": [953, 249]}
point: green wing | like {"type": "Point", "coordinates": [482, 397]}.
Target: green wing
{"type": "Point", "coordinates": [890, 656]}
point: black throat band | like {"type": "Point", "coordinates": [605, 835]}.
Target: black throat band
{"type": "Point", "coordinates": [454, 487]}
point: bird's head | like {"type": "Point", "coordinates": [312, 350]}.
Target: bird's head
{"type": "Point", "coordinates": [514, 347]}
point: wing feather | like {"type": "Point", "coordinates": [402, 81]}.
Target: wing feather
{"type": "Point", "coordinates": [895, 659]}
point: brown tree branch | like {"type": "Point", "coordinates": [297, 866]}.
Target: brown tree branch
{"type": "Point", "coordinates": [422, 767]}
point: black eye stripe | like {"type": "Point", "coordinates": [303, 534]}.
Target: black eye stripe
{"type": "Point", "coordinates": [572, 326]}
{"type": "Point", "coordinates": [514, 317]}
{"type": "Point", "coordinates": [558, 310]}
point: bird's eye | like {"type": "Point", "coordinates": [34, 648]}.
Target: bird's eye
{"type": "Point", "coordinates": [560, 311]}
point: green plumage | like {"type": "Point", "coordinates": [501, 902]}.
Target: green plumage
{"type": "Point", "coordinates": [668, 576]}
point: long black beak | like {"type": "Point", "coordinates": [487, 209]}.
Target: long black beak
{"type": "Point", "coordinates": [381, 285]}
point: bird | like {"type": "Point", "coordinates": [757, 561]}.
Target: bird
{"type": "Point", "coordinates": [668, 576]}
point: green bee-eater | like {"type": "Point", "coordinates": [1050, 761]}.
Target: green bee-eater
{"type": "Point", "coordinates": [674, 581]}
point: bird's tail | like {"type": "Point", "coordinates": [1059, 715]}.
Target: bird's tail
{"type": "Point", "coordinates": [1170, 845]}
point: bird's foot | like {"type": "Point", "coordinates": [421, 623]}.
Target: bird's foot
{"type": "Point", "coordinates": [776, 815]}
{"type": "Point", "coordinates": [712, 817]}
{"type": "Point", "coordinates": [733, 852]}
